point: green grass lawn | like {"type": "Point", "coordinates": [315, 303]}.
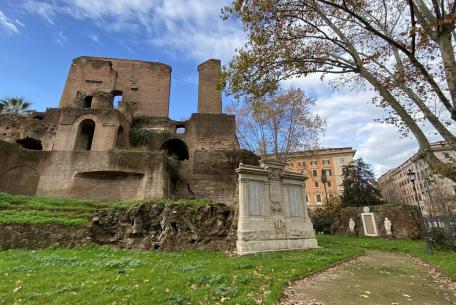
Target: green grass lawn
{"type": "Point", "coordinates": [101, 275]}
{"type": "Point", "coordinates": [37, 210]}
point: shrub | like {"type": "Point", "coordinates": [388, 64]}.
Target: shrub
{"type": "Point", "coordinates": [322, 224]}
{"type": "Point", "coordinates": [442, 240]}
{"type": "Point", "coordinates": [140, 136]}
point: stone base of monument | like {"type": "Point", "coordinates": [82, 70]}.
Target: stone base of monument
{"type": "Point", "coordinates": [272, 211]}
{"type": "Point", "coordinates": [249, 247]}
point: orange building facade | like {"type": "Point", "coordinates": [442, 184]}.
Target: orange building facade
{"type": "Point", "coordinates": [315, 163]}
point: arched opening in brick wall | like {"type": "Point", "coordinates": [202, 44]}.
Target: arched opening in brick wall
{"type": "Point", "coordinates": [177, 151]}
{"type": "Point", "coordinates": [84, 138]}
{"type": "Point", "coordinates": [120, 141]}
{"type": "Point", "coordinates": [30, 143]}
{"type": "Point", "coordinates": [177, 148]}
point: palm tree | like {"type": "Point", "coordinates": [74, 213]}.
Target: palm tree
{"type": "Point", "coordinates": [14, 105]}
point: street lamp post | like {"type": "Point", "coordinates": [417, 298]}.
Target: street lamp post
{"type": "Point", "coordinates": [324, 180]}
{"type": "Point", "coordinates": [412, 177]}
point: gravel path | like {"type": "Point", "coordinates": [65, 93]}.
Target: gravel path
{"type": "Point", "coordinates": [376, 278]}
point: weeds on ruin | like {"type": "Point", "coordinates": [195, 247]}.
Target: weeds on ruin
{"type": "Point", "coordinates": [145, 136]}
{"type": "Point", "coordinates": [135, 158]}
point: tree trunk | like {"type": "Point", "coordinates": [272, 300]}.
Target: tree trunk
{"type": "Point", "coordinates": [425, 151]}
{"type": "Point", "coordinates": [446, 50]}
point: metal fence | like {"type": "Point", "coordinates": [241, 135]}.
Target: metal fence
{"type": "Point", "coordinates": [443, 222]}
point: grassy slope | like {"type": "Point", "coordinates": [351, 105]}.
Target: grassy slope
{"type": "Point", "coordinates": [31, 209]}
{"type": "Point", "coordinates": [90, 275]}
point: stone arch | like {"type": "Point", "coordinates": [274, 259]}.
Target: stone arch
{"type": "Point", "coordinates": [85, 135]}
{"type": "Point", "coordinates": [176, 147]}
{"type": "Point", "coordinates": [20, 180]}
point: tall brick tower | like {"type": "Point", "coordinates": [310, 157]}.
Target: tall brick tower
{"type": "Point", "coordinates": [209, 93]}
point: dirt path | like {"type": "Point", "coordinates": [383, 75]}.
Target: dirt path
{"type": "Point", "coordinates": [376, 278]}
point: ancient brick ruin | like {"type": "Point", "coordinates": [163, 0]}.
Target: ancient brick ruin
{"type": "Point", "coordinates": [111, 138]}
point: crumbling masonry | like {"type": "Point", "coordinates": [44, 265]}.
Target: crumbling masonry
{"type": "Point", "coordinates": [111, 138]}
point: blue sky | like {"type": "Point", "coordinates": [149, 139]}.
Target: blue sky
{"type": "Point", "coordinates": [40, 38]}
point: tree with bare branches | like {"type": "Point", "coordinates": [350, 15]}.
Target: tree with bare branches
{"type": "Point", "coordinates": [277, 123]}
{"type": "Point", "coordinates": [403, 49]}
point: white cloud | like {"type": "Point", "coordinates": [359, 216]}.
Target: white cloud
{"type": "Point", "coordinates": [61, 39]}
{"type": "Point", "coordinates": [351, 122]}
{"type": "Point", "coordinates": [384, 149]}
{"type": "Point", "coordinates": [45, 10]}
{"type": "Point", "coordinates": [185, 28]}
{"type": "Point", "coordinates": [94, 38]}
{"type": "Point", "coordinates": [8, 24]}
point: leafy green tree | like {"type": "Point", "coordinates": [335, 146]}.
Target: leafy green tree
{"type": "Point", "coordinates": [360, 187]}
{"type": "Point", "coordinates": [14, 105]}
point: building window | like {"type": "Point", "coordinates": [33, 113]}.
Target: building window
{"type": "Point", "coordinates": [325, 162]}
{"type": "Point", "coordinates": [313, 162]}
{"type": "Point", "coordinates": [318, 198]}
{"type": "Point", "coordinates": [326, 172]}
{"type": "Point", "coordinates": [314, 173]}
{"type": "Point", "coordinates": [307, 197]}
{"type": "Point", "coordinates": [331, 195]}
{"type": "Point", "coordinates": [316, 184]}
{"type": "Point", "coordinates": [328, 183]}
{"type": "Point", "coordinates": [342, 160]}
{"type": "Point", "coordinates": [87, 102]}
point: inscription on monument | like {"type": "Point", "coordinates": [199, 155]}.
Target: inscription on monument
{"type": "Point", "coordinates": [255, 198]}
{"type": "Point", "coordinates": [369, 224]}
{"type": "Point", "coordinates": [295, 200]}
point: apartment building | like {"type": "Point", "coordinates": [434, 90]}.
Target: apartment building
{"type": "Point", "coordinates": [396, 187]}
{"type": "Point", "coordinates": [314, 163]}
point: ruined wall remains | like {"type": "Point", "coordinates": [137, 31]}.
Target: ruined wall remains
{"type": "Point", "coordinates": [35, 236]}
{"type": "Point", "coordinates": [79, 138]}
{"type": "Point", "coordinates": [103, 175]}
{"type": "Point", "coordinates": [107, 123]}
{"type": "Point", "coordinates": [405, 221]}
{"type": "Point", "coordinates": [167, 227]}
{"type": "Point", "coordinates": [38, 125]}
{"type": "Point", "coordinates": [147, 226]}
{"type": "Point", "coordinates": [111, 175]}
{"type": "Point", "coordinates": [19, 169]}
{"type": "Point", "coordinates": [209, 87]}
{"type": "Point", "coordinates": [144, 85]}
